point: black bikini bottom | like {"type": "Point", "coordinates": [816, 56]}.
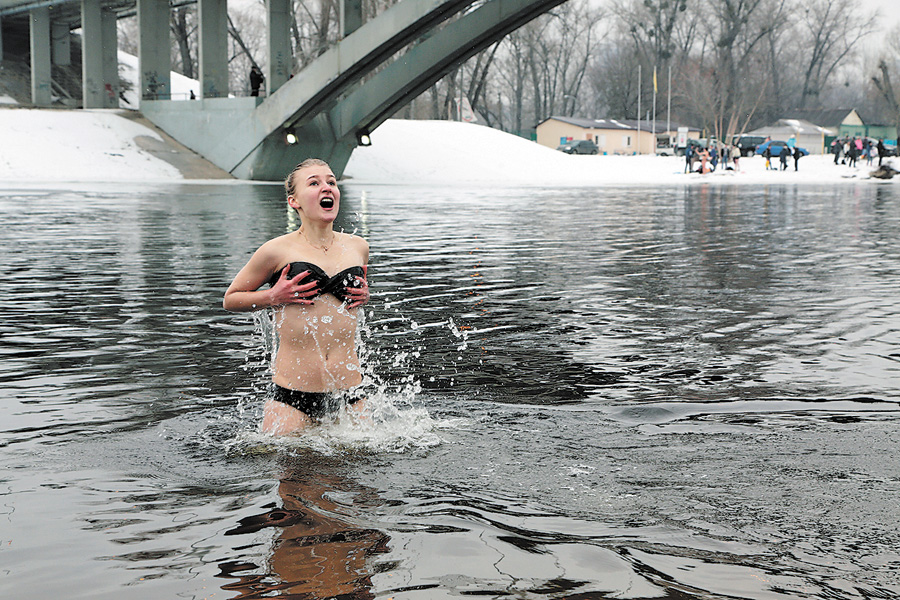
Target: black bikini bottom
{"type": "Point", "coordinates": [315, 404]}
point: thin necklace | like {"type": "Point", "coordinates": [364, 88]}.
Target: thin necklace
{"type": "Point", "coordinates": [324, 248]}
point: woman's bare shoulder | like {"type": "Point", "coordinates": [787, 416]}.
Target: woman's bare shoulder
{"type": "Point", "coordinates": [272, 255]}
{"type": "Point", "coordinates": [354, 240]}
{"type": "Point", "coordinates": [358, 244]}
{"type": "Point", "coordinates": [278, 245]}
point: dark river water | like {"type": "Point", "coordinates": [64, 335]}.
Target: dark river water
{"type": "Point", "coordinates": [684, 393]}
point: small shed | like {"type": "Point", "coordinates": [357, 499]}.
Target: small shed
{"type": "Point", "coordinates": [612, 136]}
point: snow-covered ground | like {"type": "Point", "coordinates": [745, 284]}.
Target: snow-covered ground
{"type": "Point", "coordinates": [83, 145]}
{"type": "Point", "coordinates": [99, 145]}
{"type": "Point", "coordinates": [76, 145]}
{"type": "Point", "coordinates": [180, 86]}
{"type": "Point", "coordinates": [449, 152]}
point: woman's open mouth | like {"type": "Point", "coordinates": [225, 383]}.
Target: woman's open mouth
{"type": "Point", "coordinates": [326, 203]}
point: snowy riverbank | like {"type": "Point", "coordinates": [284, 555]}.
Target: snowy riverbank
{"type": "Point", "coordinates": [105, 145]}
{"type": "Point", "coordinates": [446, 152]}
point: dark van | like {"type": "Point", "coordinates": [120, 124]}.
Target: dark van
{"type": "Point", "coordinates": [748, 143]}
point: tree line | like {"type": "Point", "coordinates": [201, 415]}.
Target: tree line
{"type": "Point", "coordinates": [726, 66]}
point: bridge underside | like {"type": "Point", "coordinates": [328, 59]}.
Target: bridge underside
{"type": "Point", "coordinates": [337, 131]}
{"type": "Point", "coordinates": [323, 111]}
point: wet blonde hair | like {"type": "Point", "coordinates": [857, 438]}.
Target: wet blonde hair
{"type": "Point", "coordinates": [309, 162]}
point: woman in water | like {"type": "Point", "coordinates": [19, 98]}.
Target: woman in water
{"type": "Point", "coordinates": [318, 279]}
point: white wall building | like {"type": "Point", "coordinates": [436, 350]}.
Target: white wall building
{"type": "Point", "coordinates": [807, 135]}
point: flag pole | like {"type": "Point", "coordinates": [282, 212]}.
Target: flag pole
{"type": "Point", "coordinates": [669, 109]}
{"type": "Point", "coordinates": [639, 111]}
{"type": "Point", "coordinates": [653, 126]}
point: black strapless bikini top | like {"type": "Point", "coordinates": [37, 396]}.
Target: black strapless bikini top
{"type": "Point", "coordinates": [336, 286]}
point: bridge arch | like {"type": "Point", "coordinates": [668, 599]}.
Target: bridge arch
{"type": "Point", "coordinates": [325, 107]}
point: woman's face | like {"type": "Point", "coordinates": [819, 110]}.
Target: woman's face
{"type": "Point", "coordinates": [316, 194]}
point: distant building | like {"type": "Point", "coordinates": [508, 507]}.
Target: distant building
{"type": "Point", "coordinates": [612, 136]}
{"type": "Point", "coordinates": [844, 122]}
{"type": "Point", "coordinates": [806, 135]}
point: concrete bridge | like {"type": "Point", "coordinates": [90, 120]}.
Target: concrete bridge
{"type": "Point", "coordinates": [326, 110]}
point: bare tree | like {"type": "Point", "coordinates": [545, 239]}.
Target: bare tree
{"type": "Point", "coordinates": [128, 35]}
{"type": "Point", "coordinates": [512, 75]}
{"type": "Point", "coordinates": [731, 60]}
{"type": "Point", "coordinates": [730, 72]}
{"type": "Point", "coordinates": [582, 26]}
{"type": "Point", "coordinates": [829, 30]}
{"type": "Point", "coordinates": [246, 30]}
{"type": "Point", "coordinates": [888, 71]}
{"type": "Point", "coordinates": [535, 61]}
{"type": "Point", "coordinates": [315, 27]}
{"type": "Point", "coordinates": [435, 101]}
{"type": "Point", "coordinates": [654, 36]}
{"type": "Point", "coordinates": [183, 26]}
{"type": "Point", "coordinates": [651, 24]}
{"type": "Point", "coordinates": [614, 80]}
{"type": "Point", "coordinates": [780, 49]}
{"type": "Point", "coordinates": [558, 50]}
{"type": "Point", "coordinates": [478, 80]}
{"type": "Point", "coordinates": [452, 84]}
{"type": "Point", "coordinates": [884, 83]}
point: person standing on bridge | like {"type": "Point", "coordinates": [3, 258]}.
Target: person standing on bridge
{"type": "Point", "coordinates": [318, 280]}
{"type": "Point", "coordinates": [256, 80]}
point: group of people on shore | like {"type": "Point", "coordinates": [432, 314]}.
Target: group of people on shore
{"type": "Point", "coordinates": [709, 158]}
{"type": "Point", "coordinates": [847, 150]}
{"type": "Point", "coordinates": [784, 154]}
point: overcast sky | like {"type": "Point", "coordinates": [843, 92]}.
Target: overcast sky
{"type": "Point", "coordinates": [890, 10]}
{"type": "Point", "coordinates": [890, 17]}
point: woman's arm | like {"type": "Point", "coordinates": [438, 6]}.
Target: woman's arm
{"type": "Point", "coordinates": [359, 295]}
{"type": "Point", "coordinates": [244, 295]}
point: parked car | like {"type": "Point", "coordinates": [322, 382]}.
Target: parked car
{"type": "Point", "coordinates": [748, 143]}
{"type": "Point", "coordinates": [776, 146]}
{"type": "Point", "coordinates": [579, 147]}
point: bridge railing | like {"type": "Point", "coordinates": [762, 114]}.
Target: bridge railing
{"type": "Point", "coordinates": [180, 96]}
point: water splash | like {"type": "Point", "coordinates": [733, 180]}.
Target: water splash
{"type": "Point", "coordinates": [394, 418]}
{"type": "Point", "coordinates": [384, 426]}
{"type": "Point", "coordinates": [460, 334]}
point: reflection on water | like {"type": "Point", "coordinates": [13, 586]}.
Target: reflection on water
{"type": "Point", "coordinates": [317, 554]}
{"type": "Point", "coordinates": [580, 393]}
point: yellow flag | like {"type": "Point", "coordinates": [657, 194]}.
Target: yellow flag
{"type": "Point", "coordinates": [654, 80]}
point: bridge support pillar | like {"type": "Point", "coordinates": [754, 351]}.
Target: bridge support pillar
{"type": "Point", "coordinates": [278, 24]}
{"type": "Point", "coordinates": [99, 60]}
{"type": "Point", "coordinates": [213, 17]}
{"type": "Point", "coordinates": [351, 16]}
{"type": "Point", "coordinates": [40, 56]}
{"type": "Point", "coordinates": [154, 49]}
{"type": "Point", "coordinates": [60, 44]}
{"type": "Point", "coordinates": [110, 33]}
